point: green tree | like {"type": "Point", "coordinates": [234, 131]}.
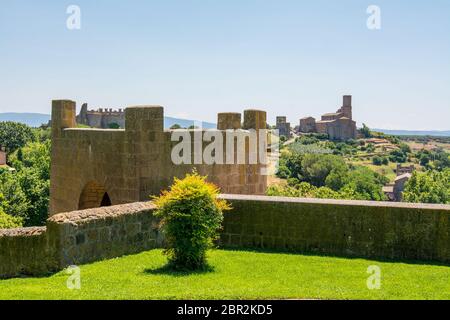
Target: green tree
{"type": "Point", "coordinates": [365, 131]}
{"type": "Point", "coordinates": [365, 184]}
{"type": "Point", "coordinates": [428, 187]}
{"type": "Point", "coordinates": [315, 168]}
{"type": "Point", "coordinates": [7, 221]}
{"type": "Point", "coordinates": [377, 160]}
{"type": "Point", "coordinates": [14, 135]}
{"type": "Point", "coordinates": [397, 156]}
{"type": "Point", "coordinates": [175, 126]}
{"type": "Point", "coordinates": [26, 191]}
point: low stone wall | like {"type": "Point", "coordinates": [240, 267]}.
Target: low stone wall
{"type": "Point", "coordinates": [348, 228]}
{"type": "Point", "coordinates": [24, 251]}
{"type": "Point", "coordinates": [102, 233]}
{"type": "Point", "coordinates": [79, 237]}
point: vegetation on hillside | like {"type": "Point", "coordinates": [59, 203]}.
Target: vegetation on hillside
{"type": "Point", "coordinates": [428, 187]}
{"type": "Point", "coordinates": [316, 167]}
{"type": "Point", "coordinates": [25, 191]}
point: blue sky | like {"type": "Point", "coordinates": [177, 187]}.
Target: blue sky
{"type": "Point", "coordinates": [197, 58]}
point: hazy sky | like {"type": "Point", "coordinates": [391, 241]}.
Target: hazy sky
{"type": "Point", "coordinates": [197, 58]}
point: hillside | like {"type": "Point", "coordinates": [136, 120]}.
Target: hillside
{"type": "Point", "coordinates": [414, 133]}
{"type": "Point", "coordinates": [30, 119]}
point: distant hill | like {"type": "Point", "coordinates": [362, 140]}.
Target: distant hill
{"type": "Point", "coordinates": [37, 119]}
{"type": "Point", "coordinates": [169, 121]}
{"type": "Point", "coordinates": [30, 119]}
{"type": "Point", "coordinates": [414, 133]}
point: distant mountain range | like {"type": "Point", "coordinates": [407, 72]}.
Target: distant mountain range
{"type": "Point", "coordinates": [30, 119]}
{"type": "Point", "coordinates": [169, 121]}
{"type": "Point", "coordinates": [414, 133]}
{"type": "Point", "coordinates": [37, 119]}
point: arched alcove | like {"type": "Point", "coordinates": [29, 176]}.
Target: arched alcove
{"type": "Point", "coordinates": [94, 195]}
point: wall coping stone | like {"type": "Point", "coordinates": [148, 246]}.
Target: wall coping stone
{"type": "Point", "coordinates": [23, 232]}
{"type": "Point", "coordinates": [383, 204]}
{"type": "Point", "coordinates": [86, 216]}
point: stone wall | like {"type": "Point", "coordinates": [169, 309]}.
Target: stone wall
{"type": "Point", "coordinates": [25, 251]}
{"type": "Point", "coordinates": [344, 228]}
{"type": "Point", "coordinates": [102, 233]}
{"type": "Point", "coordinates": [134, 163]}
{"type": "Point", "coordinates": [347, 228]}
{"type": "Point", "coordinates": [79, 237]}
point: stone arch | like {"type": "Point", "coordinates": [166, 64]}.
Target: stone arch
{"type": "Point", "coordinates": [94, 195]}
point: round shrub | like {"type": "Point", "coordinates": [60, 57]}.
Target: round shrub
{"type": "Point", "coordinates": [191, 215]}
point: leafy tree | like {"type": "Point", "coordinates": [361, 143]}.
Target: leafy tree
{"type": "Point", "coordinates": [26, 191]}
{"type": "Point", "coordinates": [7, 221]}
{"type": "Point", "coordinates": [424, 159]}
{"type": "Point", "coordinates": [377, 160]}
{"type": "Point", "coordinates": [442, 160]}
{"type": "Point", "coordinates": [175, 126]}
{"type": "Point", "coordinates": [14, 135]}
{"type": "Point", "coordinates": [316, 168]}
{"type": "Point", "coordinates": [397, 156]}
{"type": "Point", "coordinates": [15, 202]}
{"type": "Point", "coordinates": [366, 184]}
{"type": "Point", "coordinates": [307, 140]}
{"type": "Point", "coordinates": [365, 131]}
{"type": "Point", "coordinates": [428, 187]}
{"type": "Point", "coordinates": [405, 148]}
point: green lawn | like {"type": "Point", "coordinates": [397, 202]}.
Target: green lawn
{"type": "Point", "coordinates": [239, 275]}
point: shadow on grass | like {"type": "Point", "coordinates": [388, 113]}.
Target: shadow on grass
{"type": "Point", "coordinates": [343, 256]}
{"type": "Point", "coordinates": [171, 271]}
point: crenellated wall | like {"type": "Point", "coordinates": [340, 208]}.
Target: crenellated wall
{"type": "Point", "coordinates": [133, 163]}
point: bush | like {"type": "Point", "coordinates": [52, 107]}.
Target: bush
{"type": "Point", "coordinates": [7, 221]}
{"type": "Point", "coordinates": [191, 215]}
{"type": "Point", "coordinates": [428, 187]}
{"type": "Point", "coordinates": [377, 160]}
{"type": "Point", "coordinates": [398, 156]}
{"type": "Point", "coordinates": [14, 135]}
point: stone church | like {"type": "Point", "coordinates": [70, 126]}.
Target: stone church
{"type": "Point", "coordinates": [338, 125]}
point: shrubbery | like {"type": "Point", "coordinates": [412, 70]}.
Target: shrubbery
{"type": "Point", "coordinates": [26, 190]}
{"type": "Point", "coordinates": [327, 176]}
{"type": "Point", "coordinates": [7, 221]}
{"type": "Point", "coordinates": [428, 187]}
{"type": "Point", "coordinates": [191, 215]}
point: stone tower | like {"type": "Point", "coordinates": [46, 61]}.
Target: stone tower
{"type": "Point", "coordinates": [347, 107]}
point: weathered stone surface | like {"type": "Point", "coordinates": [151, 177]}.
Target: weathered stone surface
{"type": "Point", "coordinates": [95, 167]}
{"type": "Point", "coordinates": [79, 237]}
{"type": "Point", "coordinates": [24, 251]}
{"type": "Point", "coordinates": [348, 228]}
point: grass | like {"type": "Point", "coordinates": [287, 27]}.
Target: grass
{"type": "Point", "coordinates": [239, 275]}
